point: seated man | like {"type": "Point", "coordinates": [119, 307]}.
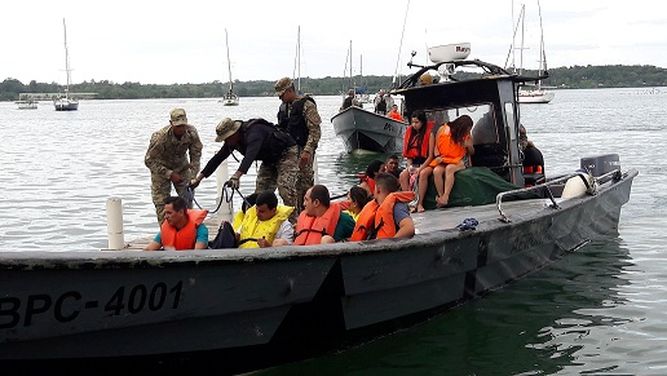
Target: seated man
{"type": "Point", "coordinates": [321, 220]}
{"type": "Point", "coordinates": [181, 229]}
{"type": "Point", "coordinates": [533, 161]}
{"type": "Point", "coordinates": [388, 215]}
{"type": "Point", "coordinates": [266, 223]}
{"type": "Point", "coordinates": [394, 114]}
{"type": "Point", "coordinates": [245, 205]}
{"type": "Point", "coordinates": [391, 166]}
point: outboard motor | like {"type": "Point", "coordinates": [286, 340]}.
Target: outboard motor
{"type": "Point", "coordinates": [600, 164]}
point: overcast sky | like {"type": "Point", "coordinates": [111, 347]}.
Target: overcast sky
{"type": "Point", "coordinates": [184, 41]}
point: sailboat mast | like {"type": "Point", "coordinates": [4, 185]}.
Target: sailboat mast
{"type": "Point", "coordinates": [229, 63]}
{"type": "Point", "coordinates": [67, 70]}
{"type": "Point", "coordinates": [298, 58]}
{"type": "Point", "coordinates": [523, 33]}
{"type": "Point", "coordinates": [513, 39]}
{"type": "Point", "coordinates": [351, 82]}
{"type": "Point", "coordinates": [394, 79]}
{"type": "Point", "coordinates": [543, 57]}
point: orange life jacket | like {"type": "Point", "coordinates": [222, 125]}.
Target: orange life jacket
{"type": "Point", "coordinates": [377, 221]}
{"type": "Point", "coordinates": [395, 115]}
{"type": "Point", "coordinates": [413, 147]}
{"type": "Point", "coordinates": [533, 169]}
{"type": "Point", "coordinates": [370, 181]}
{"type": "Point", "coordinates": [309, 230]}
{"type": "Point", "coordinates": [186, 237]}
{"type": "Point", "coordinates": [449, 151]}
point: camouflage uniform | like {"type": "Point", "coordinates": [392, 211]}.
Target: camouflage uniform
{"type": "Point", "coordinates": [167, 154]}
{"type": "Point", "coordinates": [294, 115]}
{"type": "Point", "coordinates": [283, 174]}
{"type": "Point", "coordinates": [313, 121]}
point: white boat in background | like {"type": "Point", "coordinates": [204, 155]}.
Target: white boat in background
{"type": "Point", "coordinates": [531, 93]}
{"type": "Point", "coordinates": [535, 94]}
{"type": "Point", "coordinates": [27, 104]}
{"type": "Point", "coordinates": [65, 103]}
{"type": "Point", "coordinates": [230, 99]}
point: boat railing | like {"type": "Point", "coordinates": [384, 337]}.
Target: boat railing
{"type": "Point", "coordinates": [589, 181]}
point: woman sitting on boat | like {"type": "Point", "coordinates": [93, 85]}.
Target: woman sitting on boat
{"type": "Point", "coordinates": [417, 147]}
{"type": "Point", "coordinates": [453, 147]}
{"type": "Point", "coordinates": [357, 198]}
{"type": "Point", "coordinates": [367, 180]}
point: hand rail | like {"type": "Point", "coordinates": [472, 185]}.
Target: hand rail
{"type": "Point", "coordinates": [590, 188]}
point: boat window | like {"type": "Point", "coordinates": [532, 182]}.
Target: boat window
{"type": "Point", "coordinates": [484, 130]}
{"type": "Point", "coordinates": [509, 116]}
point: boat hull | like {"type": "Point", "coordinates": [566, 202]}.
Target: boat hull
{"type": "Point", "coordinates": [364, 130]}
{"type": "Point", "coordinates": [66, 105]}
{"type": "Point", "coordinates": [252, 308]}
{"type": "Point", "coordinates": [538, 96]}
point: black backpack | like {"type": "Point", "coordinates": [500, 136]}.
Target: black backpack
{"type": "Point", "coordinates": [226, 237]}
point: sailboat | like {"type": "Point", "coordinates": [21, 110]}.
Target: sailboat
{"type": "Point", "coordinates": [230, 99]}
{"type": "Point", "coordinates": [537, 93]}
{"type": "Point", "coordinates": [65, 103]}
{"type": "Point", "coordinates": [530, 93]}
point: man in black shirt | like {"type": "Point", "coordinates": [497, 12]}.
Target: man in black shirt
{"type": "Point", "coordinates": [350, 100]}
{"type": "Point", "coordinates": [533, 161]}
{"type": "Point", "coordinates": [258, 140]}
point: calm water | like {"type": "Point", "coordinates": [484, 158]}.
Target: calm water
{"type": "Point", "coordinates": [599, 311]}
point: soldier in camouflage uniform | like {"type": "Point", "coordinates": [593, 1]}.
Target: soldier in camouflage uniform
{"type": "Point", "coordinates": [258, 140]}
{"type": "Point", "coordinates": [299, 117]}
{"type": "Point", "coordinates": [167, 161]}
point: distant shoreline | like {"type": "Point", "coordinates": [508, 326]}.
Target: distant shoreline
{"type": "Point", "coordinates": [576, 77]}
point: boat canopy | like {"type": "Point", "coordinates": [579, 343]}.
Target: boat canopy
{"type": "Point", "coordinates": [495, 89]}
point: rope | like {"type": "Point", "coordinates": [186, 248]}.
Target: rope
{"type": "Point", "coordinates": [338, 196]}
{"type": "Point", "coordinates": [226, 195]}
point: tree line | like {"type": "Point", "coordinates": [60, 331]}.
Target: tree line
{"type": "Point", "coordinates": [575, 77]}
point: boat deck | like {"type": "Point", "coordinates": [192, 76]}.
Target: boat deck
{"type": "Point", "coordinates": [432, 220]}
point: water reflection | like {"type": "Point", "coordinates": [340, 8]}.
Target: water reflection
{"type": "Point", "coordinates": [544, 324]}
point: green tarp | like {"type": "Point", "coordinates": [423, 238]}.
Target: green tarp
{"type": "Point", "coordinates": [473, 186]}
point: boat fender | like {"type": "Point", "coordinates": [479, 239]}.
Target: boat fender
{"type": "Point", "coordinates": [576, 187]}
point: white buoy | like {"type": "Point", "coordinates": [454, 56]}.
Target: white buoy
{"type": "Point", "coordinates": [115, 223]}
{"type": "Point", "coordinates": [574, 187]}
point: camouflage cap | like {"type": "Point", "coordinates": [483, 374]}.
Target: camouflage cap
{"type": "Point", "coordinates": [282, 85]}
{"type": "Point", "coordinates": [225, 128]}
{"type": "Point", "coordinates": [178, 117]}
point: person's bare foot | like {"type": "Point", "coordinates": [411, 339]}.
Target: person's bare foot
{"type": "Point", "coordinates": [440, 203]}
{"type": "Point", "coordinates": [420, 209]}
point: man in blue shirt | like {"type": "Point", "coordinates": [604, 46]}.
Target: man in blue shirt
{"type": "Point", "coordinates": [182, 228]}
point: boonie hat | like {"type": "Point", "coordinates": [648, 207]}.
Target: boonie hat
{"type": "Point", "coordinates": [282, 85]}
{"type": "Point", "coordinates": [178, 117]}
{"type": "Point", "coordinates": [225, 128]}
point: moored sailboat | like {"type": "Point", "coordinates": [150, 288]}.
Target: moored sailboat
{"type": "Point", "coordinates": [64, 102]}
{"type": "Point", "coordinates": [231, 98]}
